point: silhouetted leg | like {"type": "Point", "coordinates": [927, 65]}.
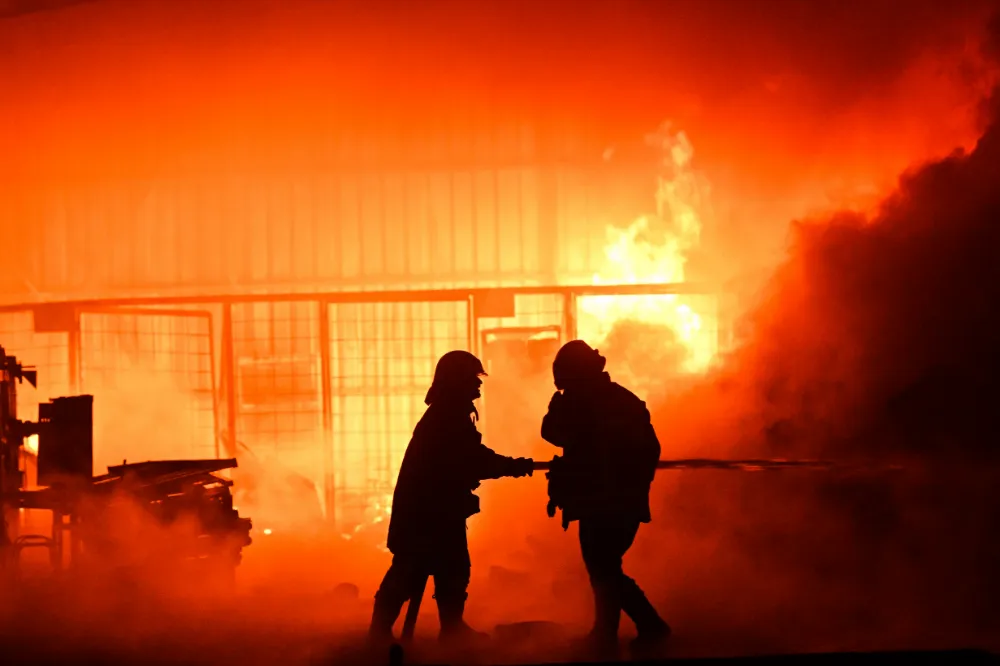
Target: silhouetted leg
{"type": "Point", "coordinates": [633, 600]}
{"type": "Point", "coordinates": [452, 571]}
{"type": "Point", "coordinates": [604, 544]}
{"type": "Point", "coordinates": [397, 586]}
{"type": "Point", "coordinates": [451, 592]}
{"type": "Point", "coordinates": [603, 560]}
{"type": "Point", "coordinates": [639, 609]}
{"type": "Point", "coordinates": [618, 537]}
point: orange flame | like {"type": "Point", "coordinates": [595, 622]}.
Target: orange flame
{"type": "Point", "coordinates": [653, 250]}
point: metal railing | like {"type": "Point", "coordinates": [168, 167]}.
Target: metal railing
{"type": "Point", "coordinates": [328, 384]}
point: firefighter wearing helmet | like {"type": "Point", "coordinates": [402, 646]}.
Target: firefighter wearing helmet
{"type": "Point", "coordinates": [602, 480]}
{"type": "Point", "coordinates": [443, 464]}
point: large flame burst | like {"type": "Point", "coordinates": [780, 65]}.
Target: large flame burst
{"type": "Point", "coordinates": [653, 250]}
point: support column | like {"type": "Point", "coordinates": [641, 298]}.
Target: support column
{"type": "Point", "coordinates": [229, 378]}
{"type": "Point", "coordinates": [329, 478]}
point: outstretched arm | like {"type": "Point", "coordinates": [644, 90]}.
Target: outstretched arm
{"type": "Point", "coordinates": [482, 462]}
{"type": "Point", "coordinates": [491, 465]}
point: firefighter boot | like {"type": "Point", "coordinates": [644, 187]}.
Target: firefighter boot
{"type": "Point", "coordinates": [603, 638]}
{"type": "Point", "coordinates": [454, 630]}
{"type": "Point", "coordinates": [651, 641]}
{"type": "Point", "coordinates": [388, 606]}
{"type": "Point", "coordinates": [653, 631]}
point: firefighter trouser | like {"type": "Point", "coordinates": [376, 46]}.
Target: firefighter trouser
{"type": "Point", "coordinates": [604, 543]}
{"type": "Point", "coordinates": [451, 572]}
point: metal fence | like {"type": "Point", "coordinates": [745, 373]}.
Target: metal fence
{"type": "Point", "coordinates": [154, 371]}
{"type": "Point", "coordinates": [329, 384]}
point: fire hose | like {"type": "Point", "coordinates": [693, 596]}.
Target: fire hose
{"type": "Point", "coordinates": [759, 465]}
{"type": "Point", "coordinates": [773, 464]}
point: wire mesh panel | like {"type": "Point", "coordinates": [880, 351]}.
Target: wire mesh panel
{"type": "Point", "coordinates": [325, 394]}
{"type": "Point", "coordinates": [279, 407]}
{"type": "Point", "coordinates": [152, 376]}
{"type": "Point", "coordinates": [47, 352]}
{"type": "Point", "coordinates": [382, 358]}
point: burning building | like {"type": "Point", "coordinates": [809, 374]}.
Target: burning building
{"type": "Point", "coordinates": [276, 282]}
{"type": "Point", "coordinates": [251, 228]}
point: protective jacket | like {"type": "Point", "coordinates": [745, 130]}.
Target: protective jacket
{"type": "Point", "coordinates": [610, 451]}
{"type": "Point", "coordinates": [443, 464]}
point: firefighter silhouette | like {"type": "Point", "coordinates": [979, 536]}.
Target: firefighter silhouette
{"type": "Point", "coordinates": [602, 479]}
{"type": "Point", "coordinates": [444, 463]}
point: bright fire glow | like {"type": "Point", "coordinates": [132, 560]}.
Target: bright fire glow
{"type": "Point", "coordinates": [31, 445]}
{"type": "Point", "coordinates": [653, 250]}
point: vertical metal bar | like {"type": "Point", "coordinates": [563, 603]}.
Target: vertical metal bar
{"type": "Point", "coordinates": [272, 352]}
{"type": "Point", "coordinates": [344, 438]}
{"type": "Point", "coordinates": [384, 228]}
{"type": "Point", "coordinates": [412, 310]}
{"type": "Point", "coordinates": [73, 345]}
{"type": "Point", "coordinates": [269, 232]}
{"type": "Point", "coordinates": [472, 321]}
{"type": "Point", "coordinates": [497, 223]}
{"type": "Point", "coordinates": [329, 496]}
{"type": "Point", "coordinates": [474, 223]}
{"type": "Point", "coordinates": [209, 316]}
{"type": "Point", "coordinates": [200, 245]}
{"type": "Point", "coordinates": [314, 215]}
{"type": "Point", "coordinates": [390, 326]}
{"type": "Point", "coordinates": [405, 222]}
{"type": "Point", "coordinates": [433, 249]}
{"type": "Point", "coordinates": [41, 245]}
{"type": "Point", "coordinates": [248, 238]}
{"type": "Point", "coordinates": [452, 236]}
{"type": "Point", "coordinates": [229, 376]}
{"type": "Point", "coordinates": [569, 315]}
{"type": "Point", "coordinates": [519, 194]}
{"type": "Point", "coordinates": [294, 220]}
{"type": "Point", "coordinates": [369, 311]}
{"type": "Point", "coordinates": [177, 231]}
{"type": "Point", "coordinates": [338, 225]}
{"type": "Point", "coordinates": [362, 228]}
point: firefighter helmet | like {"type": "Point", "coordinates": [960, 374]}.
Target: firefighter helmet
{"type": "Point", "coordinates": [456, 370]}
{"type": "Point", "coordinates": [575, 361]}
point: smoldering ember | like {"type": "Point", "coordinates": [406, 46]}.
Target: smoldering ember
{"type": "Point", "coordinates": [499, 331]}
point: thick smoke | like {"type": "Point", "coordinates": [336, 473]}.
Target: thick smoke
{"type": "Point", "coordinates": [877, 335]}
{"type": "Point", "coordinates": [875, 340]}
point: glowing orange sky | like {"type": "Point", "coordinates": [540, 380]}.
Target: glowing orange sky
{"type": "Point", "coordinates": [763, 82]}
{"type": "Point", "coordinates": [789, 105]}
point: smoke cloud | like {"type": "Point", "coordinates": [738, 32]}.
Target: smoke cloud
{"type": "Point", "coordinates": [874, 341]}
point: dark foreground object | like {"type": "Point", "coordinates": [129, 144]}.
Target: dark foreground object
{"type": "Point", "coordinates": [957, 657]}
{"type": "Point", "coordinates": [873, 658]}
{"type": "Point", "coordinates": [756, 465]}
{"type": "Point", "coordinates": [278, 656]}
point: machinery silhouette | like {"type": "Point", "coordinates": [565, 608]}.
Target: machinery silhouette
{"type": "Point", "coordinates": [81, 504]}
